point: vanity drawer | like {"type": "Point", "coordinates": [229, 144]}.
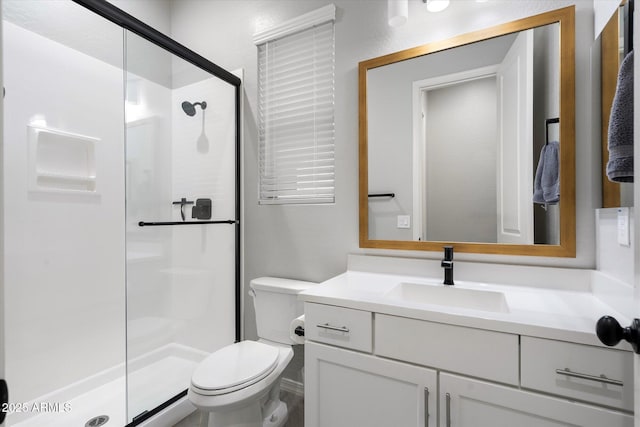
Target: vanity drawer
{"type": "Point", "coordinates": [576, 371]}
{"type": "Point", "coordinates": [475, 352]}
{"type": "Point", "coordinates": [343, 327]}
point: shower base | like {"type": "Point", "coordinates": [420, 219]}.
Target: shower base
{"type": "Point", "coordinates": [153, 378]}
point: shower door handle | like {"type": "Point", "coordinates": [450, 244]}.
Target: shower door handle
{"type": "Point", "coordinates": [4, 400]}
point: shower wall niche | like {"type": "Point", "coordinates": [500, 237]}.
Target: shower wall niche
{"type": "Point", "coordinates": [61, 161]}
{"type": "Point", "coordinates": [101, 313]}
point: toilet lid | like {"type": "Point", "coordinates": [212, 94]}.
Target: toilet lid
{"type": "Point", "coordinates": [234, 365]}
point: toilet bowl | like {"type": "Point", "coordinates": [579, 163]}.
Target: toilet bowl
{"type": "Point", "coordinates": [239, 385]}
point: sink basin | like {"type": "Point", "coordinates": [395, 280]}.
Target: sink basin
{"type": "Point", "coordinates": [450, 296]}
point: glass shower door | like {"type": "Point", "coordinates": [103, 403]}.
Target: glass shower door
{"type": "Point", "coordinates": [64, 223]}
{"type": "Point", "coordinates": [180, 226]}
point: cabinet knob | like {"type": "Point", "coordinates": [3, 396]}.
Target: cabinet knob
{"type": "Point", "coordinates": [611, 333]}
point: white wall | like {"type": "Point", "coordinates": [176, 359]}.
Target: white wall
{"type": "Point", "coordinates": [311, 242]}
{"type": "Point", "coordinates": [614, 259]}
{"type": "Point", "coordinates": [64, 252]}
{"type": "Point", "coordinates": [156, 13]}
{"type": "Point", "coordinates": [613, 282]}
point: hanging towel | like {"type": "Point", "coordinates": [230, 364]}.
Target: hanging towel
{"type": "Point", "coordinates": [620, 165]}
{"type": "Point", "coordinates": [537, 181]}
{"type": "Point", "coordinates": [546, 185]}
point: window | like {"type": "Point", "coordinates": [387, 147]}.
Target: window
{"type": "Point", "coordinates": [296, 110]}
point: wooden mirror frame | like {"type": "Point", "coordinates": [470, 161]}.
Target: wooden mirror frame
{"type": "Point", "coordinates": [609, 66]}
{"type": "Point", "coordinates": [565, 17]}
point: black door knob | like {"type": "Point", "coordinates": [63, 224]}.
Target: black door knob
{"type": "Point", "coordinates": [4, 399]}
{"type": "Point", "coordinates": [611, 333]}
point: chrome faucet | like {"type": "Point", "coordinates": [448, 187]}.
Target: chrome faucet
{"type": "Point", "coordinates": [447, 264]}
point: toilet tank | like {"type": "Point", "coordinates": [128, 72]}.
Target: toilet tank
{"type": "Point", "coordinates": [276, 304]}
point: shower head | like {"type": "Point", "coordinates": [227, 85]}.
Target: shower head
{"type": "Point", "coordinates": [190, 108]}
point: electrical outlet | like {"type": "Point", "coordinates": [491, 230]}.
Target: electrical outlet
{"type": "Point", "coordinates": [404, 221]}
{"type": "Point", "coordinates": [623, 227]}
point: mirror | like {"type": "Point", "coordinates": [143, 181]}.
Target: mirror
{"type": "Point", "coordinates": [612, 45]}
{"type": "Point", "coordinates": [451, 135]}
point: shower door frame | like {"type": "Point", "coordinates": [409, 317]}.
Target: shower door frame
{"type": "Point", "coordinates": [128, 22]}
{"type": "Point", "coordinates": [4, 388]}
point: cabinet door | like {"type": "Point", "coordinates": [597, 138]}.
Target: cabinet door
{"type": "Point", "coordinates": [344, 388]}
{"type": "Point", "coordinates": [471, 403]}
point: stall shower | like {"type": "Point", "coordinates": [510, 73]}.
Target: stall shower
{"type": "Point", "coordinates": [113, 291]}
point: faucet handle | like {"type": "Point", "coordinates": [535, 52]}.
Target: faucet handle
{"type": "Point", "coordinates": [447, 264]}
{"type": "Point", "coordinates": [448, 253]}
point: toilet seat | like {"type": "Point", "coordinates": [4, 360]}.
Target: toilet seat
{"type": "Point", "coordinates": [234, 367]}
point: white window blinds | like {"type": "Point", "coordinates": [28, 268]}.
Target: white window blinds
{"type": "Point", "coordinates": [296, 114]}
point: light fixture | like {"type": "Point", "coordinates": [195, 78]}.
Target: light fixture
{"type": "Point", "coordinates": [436, 5]}
{"type": "Point", "coordinates": [398, 12]}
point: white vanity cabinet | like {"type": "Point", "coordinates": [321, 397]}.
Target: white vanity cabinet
{"type": "Point", "coordinates": [468, 351]}
{"type": "Point", "coordinates": [475, 403]}
{"type": "Point", "coordinates": [344, 388]}
{"type": "Point", "coordinates": [597, 375]}
{"type": "Point", "coordinates": [373, 369]}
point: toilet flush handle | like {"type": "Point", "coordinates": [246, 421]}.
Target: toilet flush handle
{"type": "Point", "coordinates": [252, 293]}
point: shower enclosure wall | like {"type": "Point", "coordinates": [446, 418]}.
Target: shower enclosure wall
{"type": "Point", "coordinates": [111, 297]}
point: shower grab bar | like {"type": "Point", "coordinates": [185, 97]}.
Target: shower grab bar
{"type": "Point", "coordinates": [155, 224]}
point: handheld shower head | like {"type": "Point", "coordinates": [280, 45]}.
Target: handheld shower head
{"type": "Point", "coordinates": [190, 109]}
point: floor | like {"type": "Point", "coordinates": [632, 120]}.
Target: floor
{"type": "Point", "coordinates": [294, 402]}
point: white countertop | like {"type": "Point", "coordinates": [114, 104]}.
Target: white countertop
{"type": "Point", "coordinates": [567, 315]}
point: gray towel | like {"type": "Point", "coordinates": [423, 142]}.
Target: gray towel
{"type": "Point", "coordinates": [546, 185]}
{"type": "Point", "coordinates": [620, 165]}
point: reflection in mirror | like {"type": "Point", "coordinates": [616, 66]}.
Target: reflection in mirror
{"type": "Point", "coordinates": [456, 129]}
{"type": "Point", "coordinates": [612, 41]}
{"type": "Point", "coordinates": [465, 107]}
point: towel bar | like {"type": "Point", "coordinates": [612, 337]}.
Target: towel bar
{"type": "Point", "coordinates": [392, 195]}
{"type": "Point", "coordinates": [547, 122]}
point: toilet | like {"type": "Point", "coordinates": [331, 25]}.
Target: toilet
{"type": "Point", "coordinates": [239, 385]}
